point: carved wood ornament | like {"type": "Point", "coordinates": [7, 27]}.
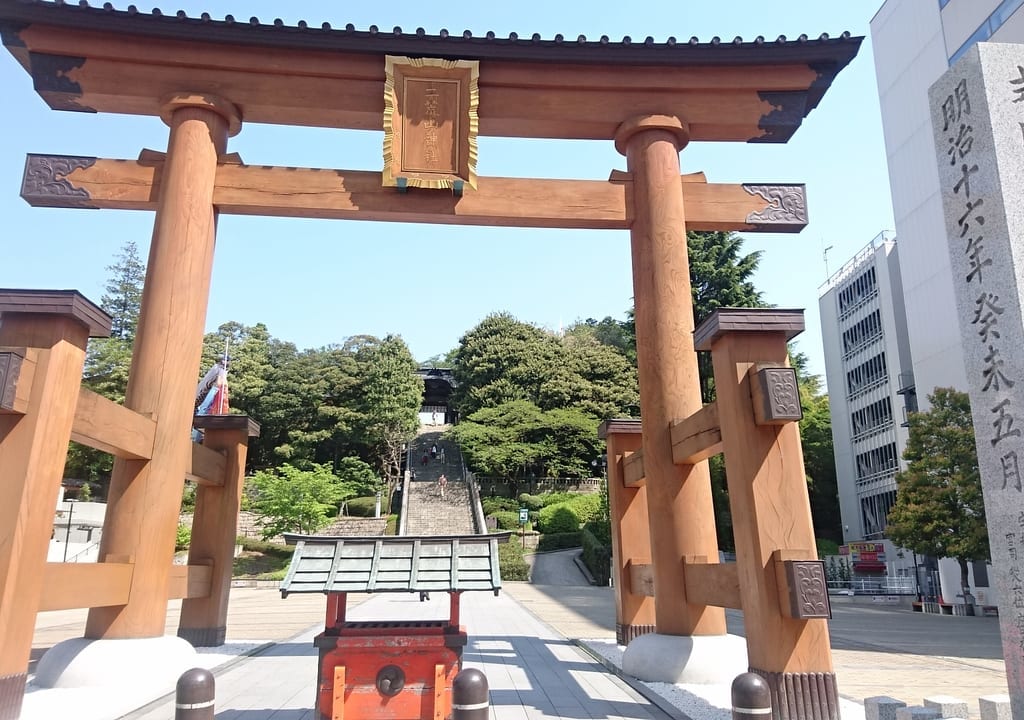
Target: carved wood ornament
{"type": "Point", "coordinates": [430, 122]}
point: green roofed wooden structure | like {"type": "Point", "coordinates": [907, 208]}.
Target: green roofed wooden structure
{"type": "Point", "coordinates": [323, 564]}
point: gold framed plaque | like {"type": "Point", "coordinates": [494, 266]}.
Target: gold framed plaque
{"type": "Point", "coordinates": [430, 122]}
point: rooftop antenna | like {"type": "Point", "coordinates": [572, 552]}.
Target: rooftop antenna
{"type": "Point", "coordinates": [824, 256]}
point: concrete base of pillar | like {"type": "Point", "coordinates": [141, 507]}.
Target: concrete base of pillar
{"type": "Point", "coordinates": [697, 659]}
{"type": "Point", "coordinates": [133, 663]}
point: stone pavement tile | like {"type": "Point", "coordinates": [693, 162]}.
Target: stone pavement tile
{"type": "Point", "coordinates": [911, 678]}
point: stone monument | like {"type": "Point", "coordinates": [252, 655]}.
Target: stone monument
{"type": "Point", "coordinates": [977, 110]}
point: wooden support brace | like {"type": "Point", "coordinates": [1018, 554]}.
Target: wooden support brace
{"type": "Point", "coordinates": [715, 584]}
{"type": "Point", "coordinates": [109, 426]}
{"type": "Point", "coordinates": [641, 576]}
{"type": "Point", "coordinates": [17, 368]}
{"type": "Point", "coordinates": [208, 466]}
{"type": "Point", "coordinates": [84, 585]}
{"type": "Point", "coordinates": [633, 469]}
{"type": "Point", "coordinates": [803, 589]}
{"type": "Point", "coordinates": [697, 437]}
{"type": "Point", "coordinates": [189, 581]}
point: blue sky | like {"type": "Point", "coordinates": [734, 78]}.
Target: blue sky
{"type": "Point", "coordinates": [317, 282]}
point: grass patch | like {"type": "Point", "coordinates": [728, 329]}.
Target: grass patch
{"type": "Point", "coordinates": [262, 561]}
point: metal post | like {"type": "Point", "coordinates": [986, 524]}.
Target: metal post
{"type": "Point", "coordinates": [194, 695]}
{"type": "Point", "coordinates": [751, 698]}
{"type": "Point", "coordinates": [470, 698]}
{"type": "Point", "coordinates": [67, 533]}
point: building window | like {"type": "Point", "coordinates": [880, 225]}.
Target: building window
{"type": "Point", "coordinates": [874, 418]}
{"type": "Point", "coordinates": [988, 28]}
{"type": "Point", "coordinates": [869, 374]}
{"type": "Point", "coordinates": [980, 573]}
{"type": "Point", "coordinates": [863, 332]}
{"type": "Point", "coordinates": [874, 511]}
{"type": "Point", "coordinates": [877, 461]}
{"type": "Point", "coordinates": [862, 288]}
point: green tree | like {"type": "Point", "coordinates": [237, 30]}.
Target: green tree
{"type": "Point", "coordinates": [818, 452]}
{"type": "Point", "coordinates": [939, 508]}
{"type": "Point", "coordinates": [591, 377]}
{"type": "Point", "coordinates": [501, 360]}
{"type": "Point", "coordinates": [517, 440]}
{"type": "Point", "coordinates": [610, 332]}
{"type": "Point", "coordinates": [390, 396]}
{"type": "Point", "coordinates": [123, 297]}
{"type": "Point", "coordinates": [720, 276]}
{"type": "Point", "coordinates": [108, 360]}
{"type": "Point", "coordinates": [292, 500]}
{"type": "Point", "coordinates": [316, 393]}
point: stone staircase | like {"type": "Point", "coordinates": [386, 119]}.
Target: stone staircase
{"type": "Point", "coordinates": [428, 512]}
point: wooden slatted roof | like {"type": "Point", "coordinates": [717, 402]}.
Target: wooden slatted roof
{"type": "Point", "coordinates": [394, 564]}
{"type": "Point", "coordinates": [124, 61]}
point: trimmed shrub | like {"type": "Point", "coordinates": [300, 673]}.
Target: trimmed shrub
{"type": "Point", "coordinates": [597, 556]}
{"type": "Point", "coordinates": [493, 504]}
{"type": "Point", "coordinates": [361, 506]}
{"type": "Point", "coordinates": [531, 502]}
{"type": "Point", "coordinates": [570, 515]}
{"type": "Point", "coordinates": [506, 519]}
{"type": "Point", "coordinates": [511, 562]}
{"type": "Point", "coordinates": [561, 518]}
{"type": "Point", "coordinates": [559, 541]}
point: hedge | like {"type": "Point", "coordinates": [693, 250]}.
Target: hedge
{"type": "Point", "coordinates": [597, 555]}
{"type": "Point", "coordinates": [361, 506]}
{"type": "Point", "coordinates": [506, 519]}
{"type": "Point", "coordinates": [511, 562]}
{"type": "Point", "coordinates": [558, 541]}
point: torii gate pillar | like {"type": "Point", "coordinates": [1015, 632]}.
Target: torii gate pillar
{"type": "Point", "coordinates": [145, 495]}
{"type": "Point", "coordinates": [684, 524]}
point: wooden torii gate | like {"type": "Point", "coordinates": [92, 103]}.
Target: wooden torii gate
{"type": "Point", "coordinates": [205, 78]}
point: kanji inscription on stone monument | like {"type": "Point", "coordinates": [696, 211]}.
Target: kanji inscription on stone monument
{"type": "Point", "coordinates": [978, 119]}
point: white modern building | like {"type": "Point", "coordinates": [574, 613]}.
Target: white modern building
{"type": "Point", "coordinates": [915, 42]}
{"type": "Point", "coordinates": [868, 367]}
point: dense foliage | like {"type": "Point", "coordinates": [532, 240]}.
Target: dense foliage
{"type": "Point", "coordinates": [292, 500]}
{"type": "Point", "coordinates": [939, 508]}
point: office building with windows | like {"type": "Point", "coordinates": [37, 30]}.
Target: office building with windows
{"type": "Point", "coordinates": [915, 42]}
{"type": "Point", "coordinates": [864, 335]}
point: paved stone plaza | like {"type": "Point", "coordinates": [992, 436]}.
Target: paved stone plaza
{"type": "Point", "coordinates": [521, 640]}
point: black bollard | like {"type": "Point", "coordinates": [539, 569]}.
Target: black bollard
{"type": "Point", "coordinates": [751, 698]}
{"type": "Point", "coordinates": [193, 697]}
{"type": "Point", "coordinates": [470, 699]}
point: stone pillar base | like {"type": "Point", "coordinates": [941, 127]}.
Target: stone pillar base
{"type": "Point", "coordinates": [130, 663]}
{"type": "Point", "coordinates": [12, 689]}
{"type": "Point", "coordinates": [625, 634]}
{"type": "Point", "coordinates": [204, 637]}
{"type": "Point", "coordinates": [802, 696]}
{"type": "Point", "coordinates": [686, 659]}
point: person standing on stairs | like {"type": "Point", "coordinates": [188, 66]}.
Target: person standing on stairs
{"type": "Point", "coordinates": [442, 484]}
